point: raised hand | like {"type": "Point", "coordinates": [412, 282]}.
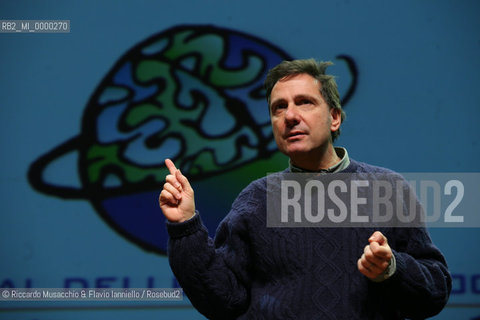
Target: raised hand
{"type": "Point", "coordinates": [176, 199]}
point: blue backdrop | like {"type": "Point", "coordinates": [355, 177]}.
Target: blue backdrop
{"type": "Point", "coordinates": [87, 118]}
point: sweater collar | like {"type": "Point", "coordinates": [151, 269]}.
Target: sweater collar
{"type": "Point", "coordinates": [339, 166]}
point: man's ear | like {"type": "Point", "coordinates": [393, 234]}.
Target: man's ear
{"type": "Point", "coordinates": [336, 115]}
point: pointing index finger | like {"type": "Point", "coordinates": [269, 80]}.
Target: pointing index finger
{"type": "Point", "coordinates": [171, 166]}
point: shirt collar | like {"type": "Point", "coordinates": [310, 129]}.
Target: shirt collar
{"type": "Point", "coordinates": [339, 166]}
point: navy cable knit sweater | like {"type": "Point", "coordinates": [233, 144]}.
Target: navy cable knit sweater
{"type": "Point", "coordinates": [253, 272]}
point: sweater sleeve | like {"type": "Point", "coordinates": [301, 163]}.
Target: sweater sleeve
{"type": "Point", "coordinates": [422, 283]}
{"type": "Point", "coordinates": [213, 273]}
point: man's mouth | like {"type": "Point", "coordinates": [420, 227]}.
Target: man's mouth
{"type": "Point", "coordinates": [295, 135]}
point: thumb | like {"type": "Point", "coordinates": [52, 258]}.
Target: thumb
{"type": "Point", "coordinates": [378, 237]}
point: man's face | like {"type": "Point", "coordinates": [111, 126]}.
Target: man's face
{"type": "Point", "coordinates": [301, 119]}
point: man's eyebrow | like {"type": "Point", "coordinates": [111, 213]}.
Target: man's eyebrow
{"type": "Point", "coordinates": [276, 101]}
{"type": "Point", "coordinates": [308, 97]}
{"type": "Point", "coordinates": [298, 97]}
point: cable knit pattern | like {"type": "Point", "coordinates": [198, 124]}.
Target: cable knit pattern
{"type": "Point", "coordinates": [253, 272]}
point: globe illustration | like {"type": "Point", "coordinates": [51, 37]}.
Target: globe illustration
{"type": "Point", "coordinates": [193, 94]}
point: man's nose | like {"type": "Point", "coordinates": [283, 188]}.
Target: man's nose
{"type": "Point", "coordinates": [291, 115]}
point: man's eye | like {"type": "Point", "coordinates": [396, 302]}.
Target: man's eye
{"type": "Point", "coordinates": [305, 101]}
{"type": "Point", "coordinates": [278, 107]}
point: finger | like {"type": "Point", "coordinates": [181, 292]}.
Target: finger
{"type": "Point", "coordinates": [362, 269]}
{"type": "Point", "coordinates": [173, 181]}
{"type": "Point", "coordinates": [171, 166]}
{"type": "Point", "coordinates": [383, 252]}
{"type": "Point", "coordinates": [374, 267]}
{"type": "Point", "coordinates": [371, 259]}
{"type": "Point", "coordinates": [166, 198]}
{"type": "Point", "coordinates": [172, 190]}
{"type": "Point", "coordinates": [377, 236]}
{"type": "Point", "coordinates": [365, 270]}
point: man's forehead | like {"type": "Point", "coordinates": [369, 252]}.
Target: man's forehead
{"type": "Point", "coordinates": [294, 80]}
{"type": "Point", "coordinates": [302, 77]}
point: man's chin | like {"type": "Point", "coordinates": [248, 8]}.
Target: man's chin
{"type": "Point", "coordinates": [295, 151]}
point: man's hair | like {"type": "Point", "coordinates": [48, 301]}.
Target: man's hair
{"type": "Point", "coordinates": [328, 86]}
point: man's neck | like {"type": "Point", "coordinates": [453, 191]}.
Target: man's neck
{"type": "Point", "coordinates": [326, 160]}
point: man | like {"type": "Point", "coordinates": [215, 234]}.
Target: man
{"type": "Point", "coordinates": [253, 272]}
